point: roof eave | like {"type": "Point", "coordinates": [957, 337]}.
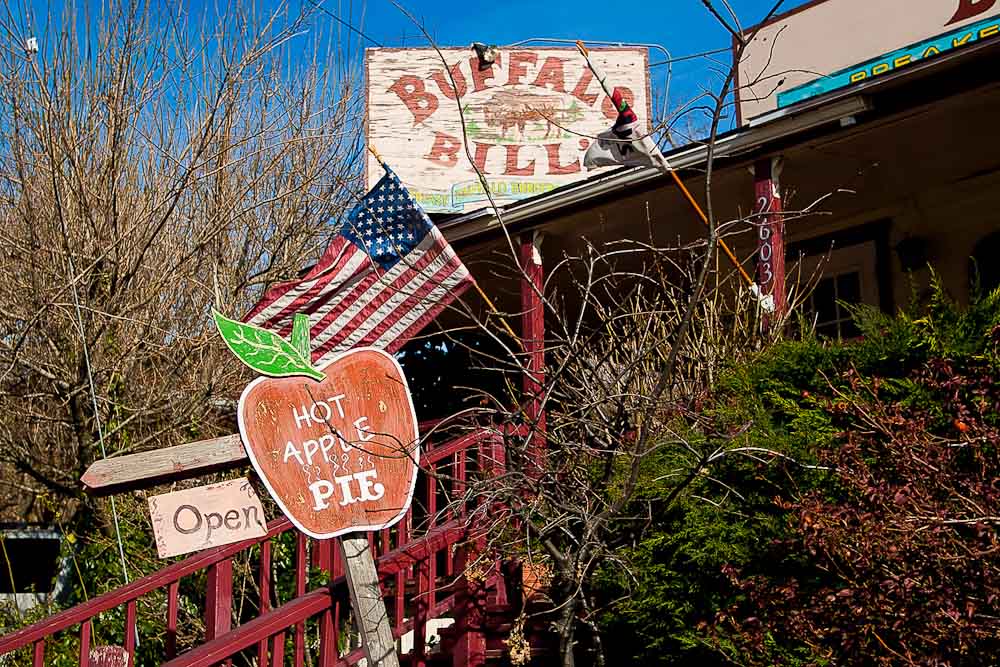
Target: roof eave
{"type": "Point", "coordinates": [746, 143]}
{"type": "Point", "coordinates": [730, 145]}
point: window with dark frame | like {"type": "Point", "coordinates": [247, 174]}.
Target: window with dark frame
{"type": "Point", "coordinates": [837, 271]}
{"type": "Point", "coordinates": [826, 305]}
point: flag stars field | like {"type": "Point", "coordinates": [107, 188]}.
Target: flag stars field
{"type": "Point", "coordinates": [386, 273]}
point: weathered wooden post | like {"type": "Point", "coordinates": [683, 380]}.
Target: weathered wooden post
{"type": "Point", "coordinates": [366, 598]}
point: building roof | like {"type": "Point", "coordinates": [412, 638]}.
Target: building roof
{"type": "Point", "coordinates": [921, 82]}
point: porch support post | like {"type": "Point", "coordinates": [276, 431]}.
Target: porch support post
{"type": "Point", "coordinates": [533, 336]}
{"type": "Point", "coordinates": [470, 605]}
{"type": "Point", "coordinates": [770, 224]}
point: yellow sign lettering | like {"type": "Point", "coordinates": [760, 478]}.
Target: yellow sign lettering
{"type": "Point", "coordinates": [956, 42]}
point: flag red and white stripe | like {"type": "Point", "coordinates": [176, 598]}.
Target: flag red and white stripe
{"type": "Point", "coordinates": [387, 274]}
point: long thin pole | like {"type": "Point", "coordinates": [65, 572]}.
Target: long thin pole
{"type": "Point", "coordinates": [704, 219]}
{"type": "Point", "coordinates": [665, 166]}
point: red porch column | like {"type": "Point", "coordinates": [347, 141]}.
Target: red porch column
{"type": "Point", "coordinates": [533, 336]}
{"type": "Point", "coordinates": [470, 608]}
{"type": "Point", "coordinates": [770, 224]}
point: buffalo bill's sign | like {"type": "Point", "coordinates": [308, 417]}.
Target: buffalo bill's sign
{"type": "Point", "coordinates": [830, 44]}
{"type": "Point", "coordinates": [528, 117]}
{"type": "Point", "coordinates": [208, 516]}
{"type": "Point", "coordinates": [339, 454]}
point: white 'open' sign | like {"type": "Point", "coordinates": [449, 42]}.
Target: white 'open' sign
{"type": "Point", "coordinates": [206, 516]}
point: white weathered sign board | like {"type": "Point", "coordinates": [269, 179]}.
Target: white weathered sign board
{"type": "Point", "coordinates": [529, 118]}
{"type": "Point", "coordinates": [825, 37]}
{"type": "Point", "coordinates": [206, 516]}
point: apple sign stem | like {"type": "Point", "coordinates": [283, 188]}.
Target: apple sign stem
{"type": "Point", "coordinates": [367, 601]}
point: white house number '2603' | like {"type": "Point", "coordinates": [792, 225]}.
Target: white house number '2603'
{"type": "Point", "coordinates": [764, 248]}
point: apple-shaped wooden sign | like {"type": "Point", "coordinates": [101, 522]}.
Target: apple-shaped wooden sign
{"type": "Point", "coordinates": [337, 447]}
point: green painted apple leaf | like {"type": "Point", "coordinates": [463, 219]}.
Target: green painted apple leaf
{"type": "Point", "coordinates": [264, 351]}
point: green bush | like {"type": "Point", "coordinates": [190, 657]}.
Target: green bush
{"type": "Point", "coordinates": [687, 597]}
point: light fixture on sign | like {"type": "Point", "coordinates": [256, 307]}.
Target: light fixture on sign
{"type": "Point", "coordinates": [487, 55]}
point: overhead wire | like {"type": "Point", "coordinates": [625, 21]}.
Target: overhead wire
{"type": "Point", "coordinates": [344, 23]}
{"type": "Point", "coordinates": [691, 56]}
{"type": "Point", "coordinates": [93, 398]}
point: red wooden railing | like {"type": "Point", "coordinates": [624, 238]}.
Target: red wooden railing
{"type": "Point", "coordinates": [407, 558]}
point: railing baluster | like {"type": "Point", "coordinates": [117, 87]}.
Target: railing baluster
{"type": "Point", "coordinates": [85, 644]}
{"type": "Point", "coordinates": [336, 629]}
{"type": "Point", "coordinates": [403, 576]}
{"type": "Point", "coordinates": [320, 557]}
{"type": "Point", "coordinates": [219, 599]}
{"type": "Point", "coordinates": [130, 632]}
{"type": "Point", "coordinates": [327, 640]}
{"type": "Point", "coordinates": [427, 593]}
{"type": "Point", "coordinates": [337, 566]}
{"type": "Point", "coordinates": [39, 660]}
{"type": "Point", "coordinates": [432, 575]}
{"type": "Point", "coordinates": [420, 609]}
{"type": "Point", "coordinates": [337, 569]}
{"type": "Point", "coordinates": [264, 587]}
{"type": "Point", "coordinates": [173, 590]}
{"type": "Point", "coordinates": [432, 483]}
{"type": "Point", "coordinates": [399, 601]}
{"type": "Point", "coordinates": [470, 647]}
{"type": "Point", "coordinates": [460, 468]}
{"type": "Point", "coordinates": [403, 529]}
{"type": "Point", "coordinates": [300, 589]}
{"type": "Point", "coordinates": [278, 650]}
{"type": "Point", "coordinates": [456, 470]}
{"type": "Point", "coordinates": [458, 501]}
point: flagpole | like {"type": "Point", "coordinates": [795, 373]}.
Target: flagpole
{"type": "Point", "coordinates": [666, 167]}
{"type": "Point", "coordinates": [475, 283]}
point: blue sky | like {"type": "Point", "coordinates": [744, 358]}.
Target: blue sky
{"type": "Point", "coordinates": [683, 27]}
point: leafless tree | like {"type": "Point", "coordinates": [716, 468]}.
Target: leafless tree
{"type": "Point", "coordinates": [636, 334]}
{"type": "Point", "coordinates": [152, 164]}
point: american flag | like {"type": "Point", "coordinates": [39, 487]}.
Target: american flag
{"type": "Point", "coordinates": [387, 272]}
